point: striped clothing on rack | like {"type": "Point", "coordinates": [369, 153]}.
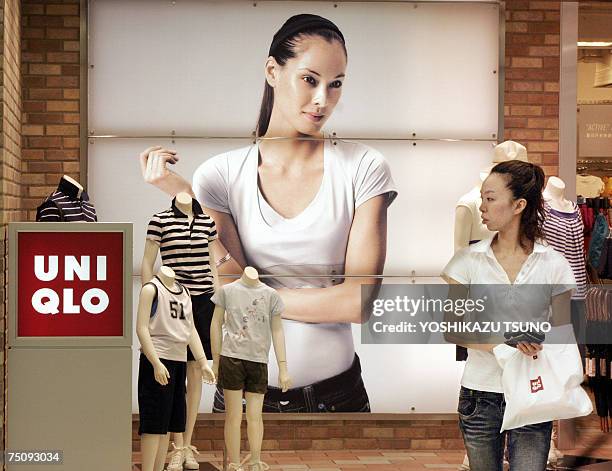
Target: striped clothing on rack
{"type": "Point", "coordinates": [184, 247]}
{"type": "Point", "coordinates": [66, 204]}
{"type": "Point", "coordinates": [564, 231]}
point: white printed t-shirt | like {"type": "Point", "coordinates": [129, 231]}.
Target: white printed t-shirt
{"type": "Point", "coordinates": [477, 265]}
{"type": "Point", "coordinates": [248, 313]}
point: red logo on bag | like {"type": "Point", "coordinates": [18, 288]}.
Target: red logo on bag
{"type": "Point", "coordinates": [536, 385]}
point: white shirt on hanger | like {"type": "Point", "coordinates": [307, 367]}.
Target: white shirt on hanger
{"type": "Point", "coordinates": [589, 186]}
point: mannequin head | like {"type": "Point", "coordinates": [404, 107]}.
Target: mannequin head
{"type": "Point", "coordinates": [251, 273]}
{"type": "Point", "coordinates": [73, 182]}
{"type": "Point", "coordinates": [183, 198]}
{"type": "Point", "coordinates": [304, 73]}
{"type": "Point", "coordinates": [167, 276]}
{"type": "Point", "coordinates": [509, 150]}
{"type": "Point", "coordinates": [555, 188]}
{"type": "Point", "coordinates": [512, 198]}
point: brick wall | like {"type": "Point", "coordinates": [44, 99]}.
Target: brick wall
{"type": "Point", "coordinates": [10, 156]}
{"type": "Point", "coordinates": [50, 68]}
{"type": "Point", "coordinates": [422, 432]}
{"type": "Point", "coordinates": [532, 79]}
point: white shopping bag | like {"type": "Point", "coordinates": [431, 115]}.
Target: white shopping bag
{"type": "Point", "coordinates": [542, 389]}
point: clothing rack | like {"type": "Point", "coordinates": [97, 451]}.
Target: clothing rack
{"type": "Point", "coordinates": [594, 165]}
{"type": "Point", "coordinates": [598, 357]}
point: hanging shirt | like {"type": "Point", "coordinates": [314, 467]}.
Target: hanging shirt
{"type": "Point", "coordinates": [66, 205]}
{"type": "Point", "coordinates": [589, 186]}
{"type": "Point", "coordinates": [564, 231]}
{"type": "Point", "coordinates": [184, 246]}
{"type": "Point", "coordinates": [477, 265]}
{"type": "Point", "coordinates": [248, 311]}
{"type": "Point", "coordinates": [171, 321]}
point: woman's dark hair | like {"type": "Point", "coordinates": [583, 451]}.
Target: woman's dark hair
{"type": "Point", "coordinates": [526, 181]}
{"type": "Point", "coordinates": [283, 48]}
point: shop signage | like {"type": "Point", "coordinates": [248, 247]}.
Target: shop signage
{"type": "Point", "coordinates": [70, 284]}
{"type": "Point", "coordinates": [595, 131]}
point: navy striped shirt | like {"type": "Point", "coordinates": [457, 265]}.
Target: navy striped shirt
{"type": "Point", "coordinates": [66, 205]}
{"type": "Point", "coordinates": [184, 247]}
{"type": "Point", "coordinates": [564, 231]}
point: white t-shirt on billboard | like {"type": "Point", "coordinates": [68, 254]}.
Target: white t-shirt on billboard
{"type": "Point", "coordinates": [312, 243]}
{"type": "Point", "coordinates": [477, 265]}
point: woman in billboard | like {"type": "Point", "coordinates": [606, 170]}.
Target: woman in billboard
{"type": "Point", "coordinates": [298, 203]}
{"type": "Point", "coordinates": [512, 205]}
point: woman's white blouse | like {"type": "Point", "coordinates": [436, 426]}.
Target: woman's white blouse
{"type": "Point", "coordinates": [477, 265]}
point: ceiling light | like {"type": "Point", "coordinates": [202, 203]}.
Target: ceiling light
{"type": "Point", "coordinates": [594, 44]}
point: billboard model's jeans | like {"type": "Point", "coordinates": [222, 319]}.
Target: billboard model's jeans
{"type": "Point", "coordinates": [342, 393]}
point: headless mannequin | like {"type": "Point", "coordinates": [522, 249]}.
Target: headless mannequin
{"type": "Point", "coordinates": [184, 202]}
{"type": "Point", "coordinates": [554, 194]}
{"type": "Point", "coordinates": [154, 446]}
{"type": "Point", "coordinates": [464, 220]}
{"type": "Point", "coordinates": [254, 401]}
{"type": "Point", "coordinates": [76, 184]}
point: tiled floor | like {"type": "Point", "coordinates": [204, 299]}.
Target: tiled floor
{"type": "Point", "coordinates": [351, 460]}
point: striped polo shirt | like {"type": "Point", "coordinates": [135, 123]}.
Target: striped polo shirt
{"type": "Point", "coordinates": [65, 204]}
{"type": "Point", "coordinates": [564, 231]}
{"type": "Point", "coordinates": [184, 246]}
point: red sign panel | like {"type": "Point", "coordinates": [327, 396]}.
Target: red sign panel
{"type": "Point", "coordinates": [70, 284]}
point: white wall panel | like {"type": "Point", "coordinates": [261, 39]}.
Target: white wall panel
{"type": "Point", "coordinates": [196, 67]}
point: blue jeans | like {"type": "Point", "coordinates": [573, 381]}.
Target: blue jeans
{"type": "Point", "coordinates": [480, 420]}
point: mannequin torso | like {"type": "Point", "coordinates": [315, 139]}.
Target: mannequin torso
{"type": "Point", "coordinates": [554, 194]}
{"type": "Point", "coordinates": [68, 203]}
{"type": "Point", "coordinates": [168, 278]}
{"type": "Point", "coordinates": [185, 204]}
{"type": "Point", "coordinates": [250, 277]}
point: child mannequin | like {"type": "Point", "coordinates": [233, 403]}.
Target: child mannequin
{"type": "Point", "coordinates": [164, 328]}
{"type": "Point", "coordinates": [240, 358]}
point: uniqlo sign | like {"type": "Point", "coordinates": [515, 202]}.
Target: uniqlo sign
{"type": "Point", "coordinates": [70, 284]}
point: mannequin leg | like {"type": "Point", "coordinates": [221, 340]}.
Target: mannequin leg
{"type": "Point", "coordinates": [233, 418]}
{"type": "Point", "coordinates": [194, 395]}
{"type": "Point", "coordinates": [149, 444]}
{"type": "Point", "coordinates": [255, 427]}
{"type": "Point", "coordinates": [162, 450]}
{"type": "Point", "coordinates": [177, 438]}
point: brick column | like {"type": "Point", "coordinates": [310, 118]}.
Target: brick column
{"type": "Point", "coordinates": [10, 160]}
{"type": "Point", "coordinates": [50, 71]}
{"type": "Point", "coordinates": [532, 79]}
